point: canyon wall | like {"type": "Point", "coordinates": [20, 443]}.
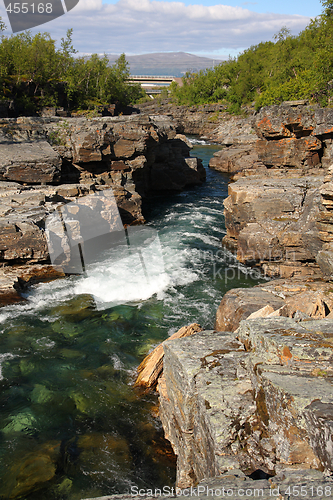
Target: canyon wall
{"type": "Point", "coordinates": [48, 162]}
{"type": "Point", "coordinates": [278, 212]}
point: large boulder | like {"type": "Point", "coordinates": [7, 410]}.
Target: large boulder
{"type": "Point", "coordinates": [239, 303]}
{"type": "Point", "coordinates": [296, 297]}
{"type": "Point", "coordinates": [258, 400]}
{"type": "Point", "coordinates": [234, 159]}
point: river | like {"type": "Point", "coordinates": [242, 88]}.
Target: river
{"type": "Point", "coordinates": [72, 426]}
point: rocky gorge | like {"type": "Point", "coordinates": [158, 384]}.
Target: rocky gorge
{"type": "Point", "coordinates": [255, 394]}
{"type": "Point", "coordinates": [252, 398]}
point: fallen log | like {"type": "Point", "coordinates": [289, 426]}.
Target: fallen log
{"type": "Point", "coordinates": [151, 368]}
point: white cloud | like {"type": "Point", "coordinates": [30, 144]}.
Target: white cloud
{"type": "Point", "coordinates": [89, 5]}
{"type": "Point", "coordinates": [140, 26]}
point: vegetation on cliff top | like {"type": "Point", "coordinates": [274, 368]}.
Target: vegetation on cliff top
{"type": "Point", "coordinates": [292, 67]}
{"type": "Point", "coordinates": [35, 73]}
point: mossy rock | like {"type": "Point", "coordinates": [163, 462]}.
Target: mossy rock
{"type": "Point", "coordinates": [79, 308]}
{"type": "Point", "coordinates": [114, 316]}
{"type": "Point", "coordinates": [71, 353]}
{"type": "Point", "coordinates": [40, 394]}
{"type": "Point", "coordinates": [68, 330]}
{"type": "Point", "coordinates": [27, 367]}
{"type": "Point", "coordinates": [62, 489]}
{"type": "Point", "coordinates": [82, 403]}
{"type": "Point", "coordinates": [22, 422]}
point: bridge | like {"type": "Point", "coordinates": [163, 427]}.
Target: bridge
{"type": "Point", "coordinates": [153, 84]}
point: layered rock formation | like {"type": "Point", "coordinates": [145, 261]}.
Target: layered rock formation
{"type": "Point", "coordinates": [273, 223]}
{"type": "Point", "coordinates": [294, 298]}
{"type": "Point", "coordinates": [47, 162]}
{"type": "Point", "coordinates": [290, 136]}
{"type": "Point", "coordinates": [278, 210]}
{"type": "Point", "coordinates": [258, 399]}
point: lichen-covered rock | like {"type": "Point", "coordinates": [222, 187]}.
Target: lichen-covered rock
{"type": "Point", "coordinates": [274, 220]}
{"type": "Point", "coordinates": [294, 385]}
{"type": "Point", "coordinates": [294, 297]}
{"type": "Point", "coordinates": [207, 398]}
{"type": "Point", "coordinates": [235, 485]}
{"type": "Point", "coordinates": [258, 399]}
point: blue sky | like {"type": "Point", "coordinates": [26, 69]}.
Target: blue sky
{"type": "Point", "coordinates": [202, 27]}
{"type": "Point", "coordinates": [311, 8]}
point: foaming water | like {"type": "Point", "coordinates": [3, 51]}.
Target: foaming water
{"type": "Point", "coordinates": [136, 276]}
{"type": "Point", "coordinates": [68, 353]}
{"type": "Point", "coordinates": [195, 141]}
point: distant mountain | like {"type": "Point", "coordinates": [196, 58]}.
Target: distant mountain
{"type": "Point", "coordinates": [166, 63]}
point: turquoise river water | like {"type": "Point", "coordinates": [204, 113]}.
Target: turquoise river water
{"type": "Point", "coordinates": [71, 424]}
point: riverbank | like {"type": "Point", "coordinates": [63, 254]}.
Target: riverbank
{"type": "Point", "coordinates": [260, 398]}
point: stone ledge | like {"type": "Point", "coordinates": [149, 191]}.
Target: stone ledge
{"type": "Point", "coordinates": [250, 400]}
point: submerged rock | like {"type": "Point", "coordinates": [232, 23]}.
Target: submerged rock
{"type": "Point", "coordinates": [41, 394]}
{"type": "Point", "coordinates": [22, 422]}
{"type": "Point", "coordinates": [103, 456]}
{"type": "Point", "coordinates": [76, 308]}
{"type": "Point", "coordinates": [32, 472]}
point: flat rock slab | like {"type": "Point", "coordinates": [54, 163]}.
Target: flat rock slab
{"type": "Point", "coordinates": [31, 162]}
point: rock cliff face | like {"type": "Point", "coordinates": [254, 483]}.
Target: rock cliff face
{"type": "Point", "coordinates": [273, 223]}
{"type": "Point", "coordinates": [46, 162]}
{"type": "Point", "coordinates": [258, 399]}
{"type": "Point", "coordinates": [278, 210]}
{"type": "Point", "coordinates": [210, 121]}
{"type": "Point", "coordinates": [291, 136]}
